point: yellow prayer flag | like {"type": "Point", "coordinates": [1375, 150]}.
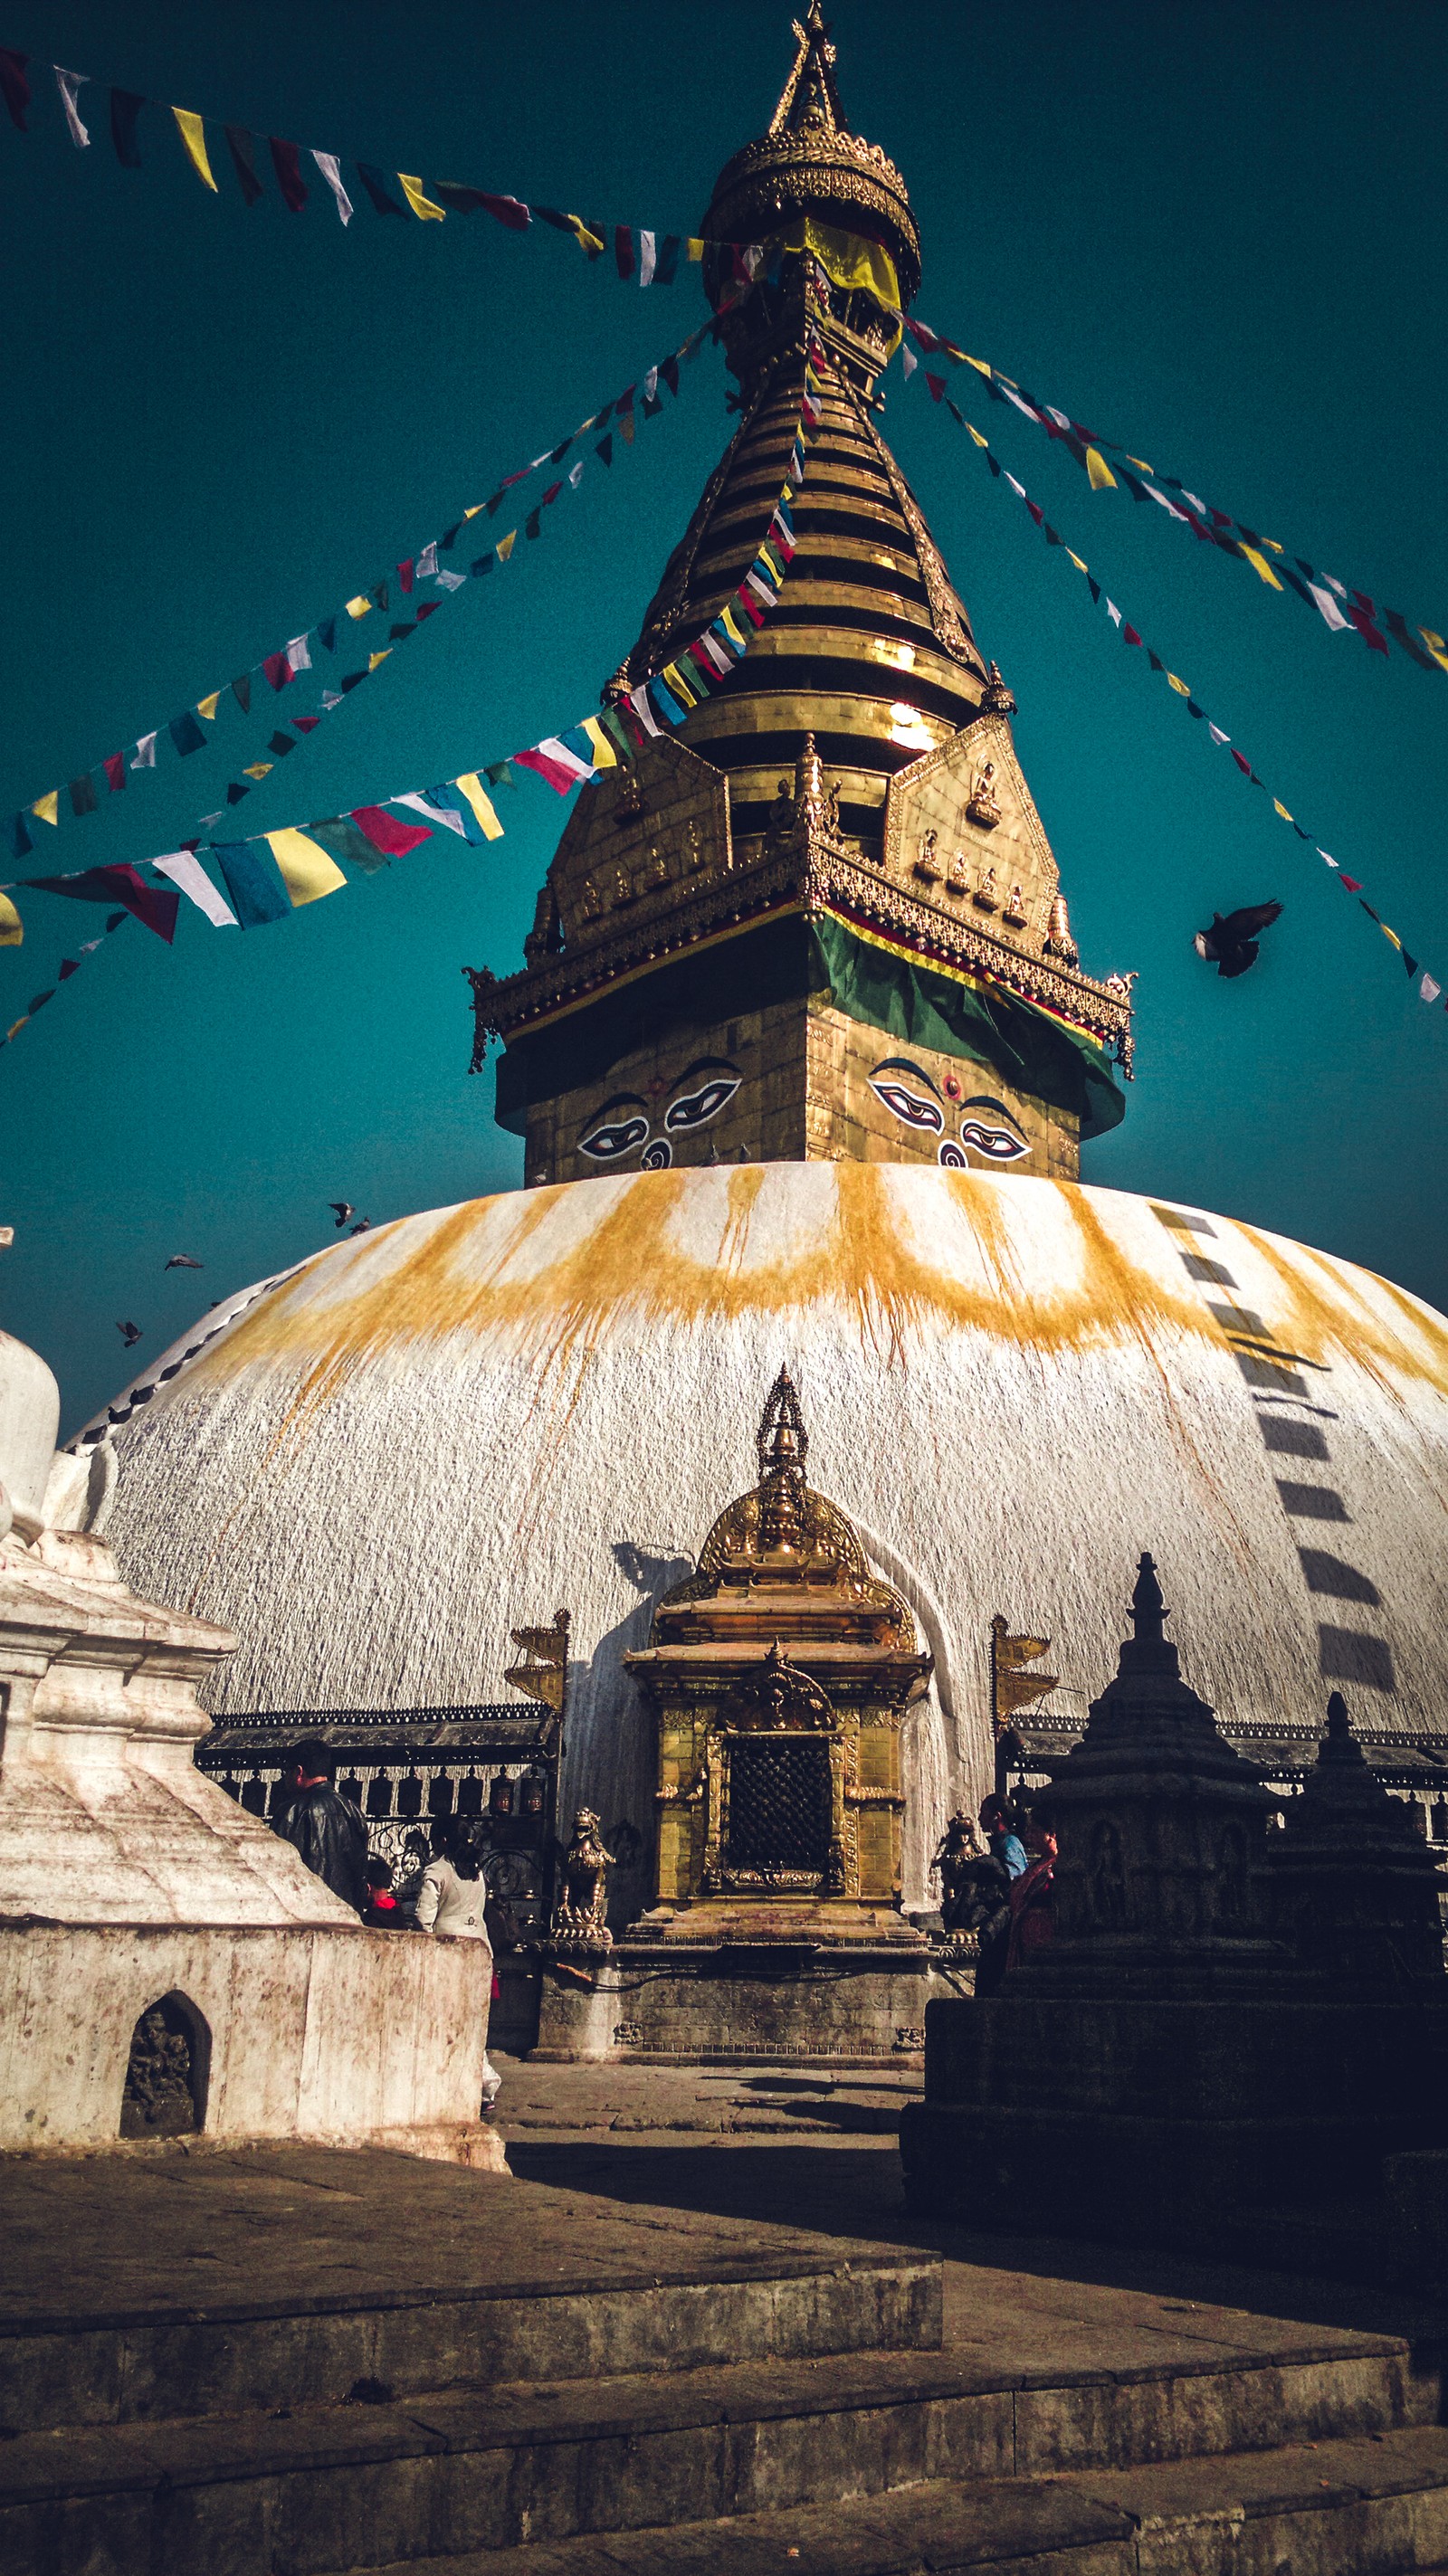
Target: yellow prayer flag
{"type": "Point", "coordinates": [12, 929]}
{"type": "Point", "coordinates": [1080, 567]}
{"type": "Point", "coordinates": [1279, 808]}
{"type": "Point", "coordinates": [695, 250]}
{"type": "Point", "coordinates": [505, 545]}
{"type": "Point", "coordinates": [1390, 934]}
{"type": "Point", "coordinates": [422, 206]}
{"type": "Point", "coordinates": [1098, 472]}
{"type": "Point", "coordinates": [47, 807]}
{"type": "Point", "coordinates": [193, 135]}
{"type": "Point", "coordinates": [308, 871]}
{"type": "Point", "coordinates": [16, 1026]}
{"type": "Point", "coordinates": [359, 606]}
{"type": "Point", "coordinates": [482, 804]}
{"type": "Point", "coordinates": [1141, 464]}
{"type": "Point", "coordinates": [259, 769]}
{"type": "Point", "coordinates": [726, 620]}
{"type": "Point", "coordinates": [374, 658]}
{"type": "Point", "coordinates": [626, 427]}
{"type": "Point", "coordinates": [473, 512]}
{"type": "Point", "coordinates": [606, 756]}
{"type": "Point", "coordinates": [673, 678]}
{"type": "Point", "coordinates": [975, 434]}
{"type": "Point", "coordinates": [980, 365]}
{"type": "Point", "coordinates": [1436, 646]}
{"type": "Point", "coordinates": [1262, 567]}
{"type": "Point", "coordinates": [1180, 686]}
{"type": "Point", "coordinates": [207, 706]}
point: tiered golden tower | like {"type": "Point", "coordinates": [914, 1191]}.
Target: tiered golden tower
{"type": "Point", "coordinates": [822, 919]}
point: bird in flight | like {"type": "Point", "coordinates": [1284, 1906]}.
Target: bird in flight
{"type": "Point", "coordinates": [341, 1209]}
{"type": "Point", "coordinates": [1231, 943]}
{"type": "Point", "coordinates": [183, 1261]}
{"type": "Point", "coordinates": [363, 1227]}
{"type": "Point", "coordinates": [129, 1333]}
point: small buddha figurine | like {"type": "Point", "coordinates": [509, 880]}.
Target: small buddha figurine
{"type": "Point", "coordinates": [619, 889]}
{"type": "Point", "coordinates": [656, 872]}
{"type": "Point", "coordinates": [630, 800]}
{"type": "Point", "coordinates": [590, 901]}
{"type": "Point", "coordinates": [984, 805]}
{"type": "Point", "coordinates": [958, 880]}
{"type": "Point", "coordinates": [926, 865]}
{"type": "Point", "coordinates": [1015, 907]}
{"type": "Point", "coordinates": [693, 847]}
{"type": "Point", "coordinates": [985, 894]}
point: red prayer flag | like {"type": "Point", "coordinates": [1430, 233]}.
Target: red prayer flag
{"type": "Point", "coordinates": [404, 574]}
{"type": "Point", "coordinates": [1129, 636]}
{"type": "Point", "coordinates": [563, 780]}
{"type": "Point", "coordinates": [15, 85]}
{"type": "Point", "coordinates": [278, 670]}
{"type": "Point", "coordinates": [1366, 629]}
{"type": "Point", "coordinates": [1353, 884]}
{"type": "Point", "coordinates": [922, 335]}
{"type": "Point", "coordinates": [305, 724]}
{"type": "Point", "coordinates": [1245, 766]}
{"type": "Point", "coordinates": [937, 386]}
{"type": "Point", "coordinates": [623, 249]}
{"type": "Point", "coordinates": [287, 163]}
{"type": "Point", "coordinates": [429, 608]}
{"type": "Point", "coordinates": [386, 833]}
{"type": "Point", "coordinates": [114, 766]}
{"type": "Point", "coordinates": [746, 600]}
{"type": "Point", "coordinates": [157, 908]}
{"type": "Point", "coordinates": [550, 495]}
{"type": "Point", "coordinates": [68, 966]}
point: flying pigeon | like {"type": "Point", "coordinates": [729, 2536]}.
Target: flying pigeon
{"type": "Point", "coordinates": [1231, 943]}
{"type": "Point", "coordinates": [364, 1227]}
{"type": "Point", "coordinates": [183, 1261]}
{"type": "Point", "coordinates": [341, 1209]}
{"type": "Point", "coordinates": [129, 1333]}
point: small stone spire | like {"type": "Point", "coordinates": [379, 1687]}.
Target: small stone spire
{"type": "Point", "coordinates": [1149, 1650]}
{"type": "Point", "coordinates": [783, 1447]}
{"type": "Point", "coordinates": [996, 698]}
{"type": "Point", "coordinates": [809, 96]}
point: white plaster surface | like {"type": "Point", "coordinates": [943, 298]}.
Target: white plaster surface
{"type": "Point", "coordinates": [447, 1427]}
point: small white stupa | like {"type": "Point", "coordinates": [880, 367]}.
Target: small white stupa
{"type": "Point", "coordinates": [167, 1964]}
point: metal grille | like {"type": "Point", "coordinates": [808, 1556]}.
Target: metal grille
{"type": "Point", "coordinates": [779, 1805]}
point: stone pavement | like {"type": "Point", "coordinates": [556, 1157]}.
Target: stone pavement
{"type": "Point", "coordinates": [699, 2101]}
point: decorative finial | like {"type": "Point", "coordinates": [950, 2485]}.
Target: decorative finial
{"type": "Point", "coordinates": [1339, 1747]}
{"type": "Point", "coordinates": [996, 698]}
{"type": "Point", "coordinates": [783, 1441]}
{"type": "Point", "coordinates": [1148, 1609]}
{"type": "Point", "coordinates": [809, 96]}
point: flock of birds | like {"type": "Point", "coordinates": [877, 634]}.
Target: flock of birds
{"type": "Point", "coordinates": [1231, 944]}
{"type": "Point", "coordinates": [343, 1211]}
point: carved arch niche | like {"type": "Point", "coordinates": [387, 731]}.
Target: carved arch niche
{"type": "Point", "coordinates": [962, 831]}
{"type": "Point", "coordinates": [168, 2071]}
{"type": "Point", "coordinates": [779, 1770]}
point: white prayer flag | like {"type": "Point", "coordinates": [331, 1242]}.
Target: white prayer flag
{"type": "Point", "coordinates": [1334, 585]}
{"type": "Point", "coordinates": [639, 701]}
{"type": "Point", "coordinates": [327, 163]}
{"type": "Point", "coordinates": [145, 752]}
{"type": "Point", "coordinates": [651, 384]}
{"type": "Point", "coordinates": [433, 813]}
{"type": "Point", "coordinates": [575, 472]}
{"type": "Point", "coordinates": [1113, 612]}
{"type": "Point", "coordinates": [427, 562]}
{"type": "Point", "coordinates": [451, 580]}
{"type": "Point", "coordinates": [68, 83]}
{"type": "Point", "coordinates": [1216, 732]}
{"type": "Point", "coordinates": [909, 362]}
{"type": "Point", "coordinates": [1169, 506]}
{"type": "Point", "coordinates": [298, 654]}
{"type": "Point", "coordinates": [1015, 486]}
{"type": "Point", "coordinates": [1329, 610]}
{"type": "Point", "coordinates": [186, 871]}
{"type": "Point", "coordinates": [331, 698]}
{"type": "Point", "coordinates": [1322, 854]}
{"type": "Point", "coordinates": [1428, 990]}
{"type": "Point", "coordinates": [648, 258]}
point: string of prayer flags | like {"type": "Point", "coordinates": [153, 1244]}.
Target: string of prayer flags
{"type": "Point", "coordinates": [280, 667]}
{"type": "Point", "coordinates": [120, 885]}
{"type": "Point", "coordinates": [1429, 987]}
{"type": "Point", "coordinates": [68, 966]}
{"type": "Point", "coordinates": [1341, 609]}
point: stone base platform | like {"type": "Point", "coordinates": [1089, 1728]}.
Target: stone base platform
{"type": "Point", "coordinates": [333, 2364]}
{"type": "Point", "coordinates": [678, 2001]}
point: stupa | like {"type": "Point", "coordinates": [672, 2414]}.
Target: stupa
{"type": "Point", "coordinates": [803, 1057]}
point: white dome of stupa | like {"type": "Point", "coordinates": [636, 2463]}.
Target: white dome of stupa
{"type": "Point", "coordinates": [376, 1466]}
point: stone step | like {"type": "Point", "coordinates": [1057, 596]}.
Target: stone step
{"type": "Point", "coordinates": [231, 2284]}
{"type": "Point", "coordinates": [483, 2470]}
{"type": "Point", "coordinates": [1353, 2508]}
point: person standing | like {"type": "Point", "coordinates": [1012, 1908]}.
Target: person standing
{"type": "Point", "coordinates": [452, 1898]}
{"type": "Point", "coordinates": [328, 1831]}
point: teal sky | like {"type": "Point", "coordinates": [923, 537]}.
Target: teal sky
{"type": "Point", "coordinates": [1218, 233]}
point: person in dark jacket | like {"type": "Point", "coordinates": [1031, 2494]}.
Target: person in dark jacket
{"type": "Point", "coordinates": [328, 1831]}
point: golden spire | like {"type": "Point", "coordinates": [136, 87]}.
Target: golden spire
{"type": "Point", "coordinates": [809, 96]}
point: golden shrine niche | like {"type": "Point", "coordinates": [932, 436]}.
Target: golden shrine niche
{"type": "Point", "coordinates": [779, 1675]}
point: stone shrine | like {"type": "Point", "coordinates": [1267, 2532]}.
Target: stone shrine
{"type": "Point", "coordinates": [777, 1676]}
{"type": "Point", "coordinates": [1185, 2048]}
{"type": "Point", "coordinates": [168, 1966]}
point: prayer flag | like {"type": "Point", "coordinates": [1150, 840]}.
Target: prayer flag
{"type": "Point", "coordinates": [385, 832]}
{"type": "Point", "coordinates": [1216, 733]}
{"type": "Point", "coordinates": [648, 258]}
{"type": "Point", "coordinates": [145, 757]}
{"type": "Point", "coordinates": [1279, 808]}
{"type": "Point", "coordinates": [298, 657]}
{"type": "Point", "coordinates": [714, 654]}
{"type": "Point", "coordinates": [374, 658]}
{"type": "Point", "coordinates": [590, 243]}
{"type": "Point", "coordinates": [260, 768]}
{"type": "Point", "coordinates": [378, 595]}
{"type": "Point", "coordinates": [46, 808]}
{"type": "Point", "coordinates": [505, 545]}
{"type": "Point", "coordinates": [639, 701]}
{"type": "Point", "coordinates": [359, 606]}
{"type": "Point", "coordinates": [15, 85]}
{"type": "Point", "coordinates": [472, 788]}
{"type": "Point", "coordinates": [1245, 766]}
{"type": "Point", "coordinates": [1428, 990]}
{"type": "Point", "coordinates": [499, 773]}
{"type": "Point", "coordinates": [1180, 686]}
{"type": "Point", "coordinates": [726, 620]}
{"type": "Point", "coordinates": [695, 249]}
{"type": "Point", "coordinates": [83, 797]}
{"type": "Point", "coordinates": [1129, 633]}
{"type": "Point", "coordinates": [241, 144]}
{"type": "Point", "coordinates": [236, 791]}
{"type": "Point", "coordinates": [193, 134]}
{"type": "Point", "coordinates": [1259, 565]}
{"type": "Point", "coordinates": [287, 163]}
{"type": "Point", "coordinates": [278, 669]}
{"type": "Point", "coordinates": [114, 766]}
{"type": "Point", "coordinates": [306, 869]}
{"type": "Point", "coordinates": [185, 870]}
{"type": "Point", "coordinates": [1353, 885]}
{"type": "Point", "coordinates": [668, 706]}
{"type": "Point", "coordinates": [604, 754]}
{"type": "Point", "coordinates": [427, 562]}
{"type": "Point", "coordinates": [1098, 472]}
{"type": "Point", "coordinates": [281, 744]}
{"type": "Point", "coordinates": [533, 524]}
{"type": "Point", "coordinates": [422, 206]}
{"type": "Point", "coordinates": [404, 573]}
{"type": "Point", "coordinates": [68, 83]}
{"type": "Point", "coordinates": [1397, 627]}
{"type": "Point", "coordinates": [466, 201]}
{"type": "Point", "coordinates": [126, 106]}
{"type": "Point", "coordinates": [327, 163]}
{"type": "Point", "coordinates": [119, 885]}
{"type": "Point", "coordinates": [253, 881]}
{"type": "Point", "coordinates": [339, 836]}
{"type": "Point", "coordinates": [623, 250]}
{"type": "Point", "coordinates": [12, 929]}
{"type": "Point", "coordinates": [372, 181]}
{"type": "Point", "coordinates": [554, 761]}
{"type": "Point", "coordinates": [1410, 964]}
{"type": "Point", "coordinates": [450, 820]}
{"type": "Point", "coordinates": [604, 449]}
{"type": "Point", "coordinates": [207, 706]}
{"type": "Point", "coordinates": [186, 733]}
{"type": "Point", "coordinates": [673, 678]}
{"type": "Point", "coordinates": [1362, 620]}
{"type": "Point", "coordinates": [305, 724]}
{"type": "Point", "coordinates": [666, 267]}
{"type": "Point", "coordinates": [1436, 646]}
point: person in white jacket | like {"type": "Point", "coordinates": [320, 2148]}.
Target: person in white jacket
{"type": "Point", "coordinates": [451, 1899]}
